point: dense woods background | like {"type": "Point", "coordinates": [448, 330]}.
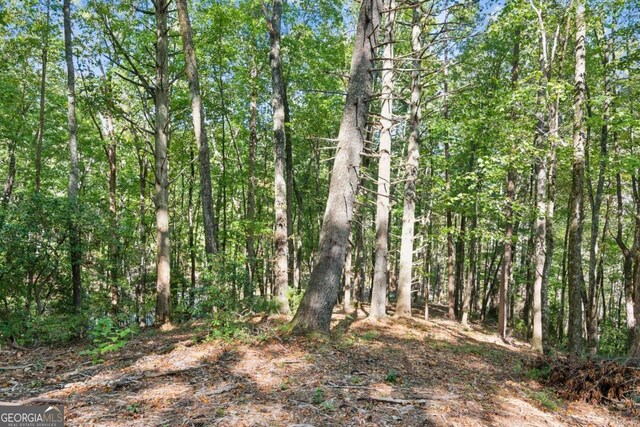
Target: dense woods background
{"type": "Point", "coordinates": [164, 161]}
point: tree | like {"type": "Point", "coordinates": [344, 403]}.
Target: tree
{"type": "Point", "coordinates": [74, 173]}
{"type": "Point", "coordinates": [314, 312]}
{"type": "Point", "coordinates": [511, 189]}
{"type": "Point", "coordinates": [278, 104]}
{"type": "Point", "coordinates": [575, 275]}
{"type": "Point", "coordinates": [161, 155]}
{"type": "Point", "coordinates": [199, 129]}
{"type": "Point", "coordinates": [383, 198]}
{"type": "Point", "coordinates": [403, 308]}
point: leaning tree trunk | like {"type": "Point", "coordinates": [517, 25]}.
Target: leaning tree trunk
{"type": "Point", "coordinates": [161, 154]}
{"type": "Point", "coordinates": [381, 273]}
{"type": "Point", "coordinates": [197, 113]}
{"type": "Point", "coordinates": [277, 102]}
{"type": "Point", "coordinates": [74, 174]}
{"type": "Point", "coordinates": [314, 313]}
{"type": "Point", "coordinates": [575, 277]}
{"type": "Point", "coordinates": [403, 307]}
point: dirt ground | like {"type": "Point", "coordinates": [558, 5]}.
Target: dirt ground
{"type": "Point", "coordinates": [391, 373]}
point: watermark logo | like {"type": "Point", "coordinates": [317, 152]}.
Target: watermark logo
{"type": "Point", "coordinates": [32, 416]}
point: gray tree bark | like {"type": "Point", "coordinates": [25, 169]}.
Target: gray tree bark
{"type": "Point", "coordinates": [314, 313]}
{"type": "Point", "coordinates": [199, 129]}
{"type": "Point", "coordinates": [74, 174]}
{"type": "Point", "coordinates": [161, 155]}
{"type": "Point", "coordinates": [575, 275]}
{"type": "Point", "coordinates": [383, 199]}
{"type": "Point", "coordinates": [403, 307]}
{"type": "Point", "coordinates": [43, 86]}
{"type": "Point", "coordinates": [277, 102]}
{"type": "Point", "coordinates": [507, 259]}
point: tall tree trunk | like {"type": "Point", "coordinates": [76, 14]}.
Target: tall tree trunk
{"type": "Point", "coordinates": [251, 188]}
{"type": "Point", "coordinates": [381, 273]}
{"type": "Point", "coordinates": [634, 351]}
{"type": "Point", "coordinates": [575, 275]}
{"type": "Point", "coordinates": [468, 287]}
{"type": "Point", "coordinates": [628, 254]}
{"type": "Point", "coordinates": [141, 284]}
{"type": "Point", "coordinates": [74, 174]}
{"type": "Point", "coordinates": [291, 239]}
{"type": "Point", "coordinates": [43, 87]}
{"type": "Point", "coordinates": [451, 286]}
{"type": "Point", "coordinates": [348, 281]}
{"type": "Point", "coordinates": [277, 102]}
{"type": "Point", "coordinates": [314, 313]}
{"type": "Point", "coordinates": [199, 129]}
{"type": "Point", "coordinates": [403, 307]}
{"type": "Point", "coordinates": [541, 196]}
{"type": "Point", "coordinates": [595, 201]}
{"type": "Point", "coordinates": [161, 154]}
{"type": "Point", "coordinates": [511, 193]}
{"type": "Point", "coordinates": [111, 152]}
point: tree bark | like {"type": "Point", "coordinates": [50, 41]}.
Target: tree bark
{"type": "Point", "coordinates": [74, 174]}
{"type": "Point", "coordinates": [161, 155]}
{"type": "Point", "coordinates": [314, 313]}
{"type": "Point", "coordinates": [403, 307]}
{"type": "Point", "coordinates": [383, 199]}
{"type": "Point", "coordinates": [199, 129]}
{"type": "Point", "coordinates": [280, 195]}
{"type": "Point", "coordinates": [511, 190]}
{"type": "Point", "coordinates": [141, 284]}
{"type": "Point", "coordinates": [43, 87]}
{"type": "Point", "coordinates": [575, 276]}
{"type": "Point", "coordinates": [251, 188]}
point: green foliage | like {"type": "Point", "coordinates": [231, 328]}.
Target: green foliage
{"type": "Point", "coordinates": [538, 374]}
{"type": "Point", "coordinates": [226, 325]}
{"type": "Point", "coordinates": [294, 296]}
{"type": "Point", "coordinates": [318, 396]}
{"type": "Point", "coordinates": [545, 399]}
{"type": "Point", "coordinates": [613, 340]}
{"type": "Point", "coordinates": [392, 376]}
{"type": "Point", "coordinates": [107, 337]}
{"type": "Point", "coordinates": [55, 329]}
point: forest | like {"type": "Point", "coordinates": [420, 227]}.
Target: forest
{"type": "Point", "coordinates": [329, 212]}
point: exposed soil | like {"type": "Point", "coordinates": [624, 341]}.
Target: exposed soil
{"type": "Point", "coordinates": [391, 373]}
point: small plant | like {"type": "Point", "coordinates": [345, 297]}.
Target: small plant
{"type": "Point", "coordinates": [538, 373]}
{"type": "Point", "coordinates": [355, 380]}
{"type": "Point", "coordinates": [545, 400]}
{"type": "Point", "coordinates": [328, 405]}
{"type": "Point", "coordinates": [318, 396]}
{"type": "Point", "coordinates": [392, 376]}
{"type": "Point", "coordinates": [133, 408]}
{"type": "Point", "coordinates": [370, 335]}
{"type": "Point", "coordinates": [107, 337]}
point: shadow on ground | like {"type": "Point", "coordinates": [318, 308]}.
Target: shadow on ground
{"type": "Point", "coordinates": [407, 372]}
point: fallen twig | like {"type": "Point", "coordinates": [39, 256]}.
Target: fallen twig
{"type": "Point", "coordinates": [396, 401]}
{"type": "Point", "coordinates": [10, 368]}
{"type": "Point", "coordinates": [30, 401]}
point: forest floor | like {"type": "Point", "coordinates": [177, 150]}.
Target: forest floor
{"type": "Point", "coordinates": [390, 373]}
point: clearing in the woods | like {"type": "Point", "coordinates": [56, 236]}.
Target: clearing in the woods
{"type": "Point", "coordinates": [391, 373]}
